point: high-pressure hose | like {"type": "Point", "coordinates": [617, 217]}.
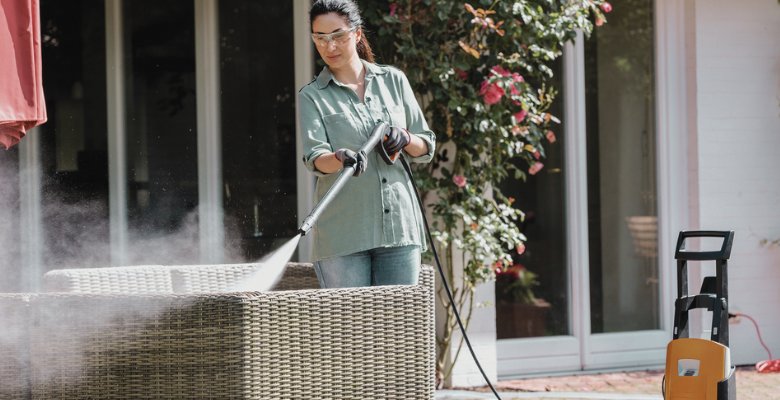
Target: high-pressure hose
{"type": "Point", "coordinates": [444, 278]}
{"type": "Point", "coordinates": [380, 130]}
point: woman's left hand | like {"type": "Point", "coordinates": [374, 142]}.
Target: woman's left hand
{"type": "Point", "coordinates": [396, 140]}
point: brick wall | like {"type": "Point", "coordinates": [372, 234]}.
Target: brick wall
{"type": "Point", "coordinates": [737, 61]}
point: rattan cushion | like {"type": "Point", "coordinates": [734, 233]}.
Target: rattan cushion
{"type": "Point", "coordinates": [222, 277]}
{"type": "Point", "coordinates": [138, 279]}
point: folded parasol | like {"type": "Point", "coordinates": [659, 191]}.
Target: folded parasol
{"type": "Point", "coordinates": [22, 106]}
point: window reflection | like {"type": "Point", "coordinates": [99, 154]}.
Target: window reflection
{"type": "Point", "coordinates": [258, 123]}
{"type": "Point", "coordinates": [74, 158]}
{"type": "Point", "coordinates": [542, 268]}
{"type": "Point", "coordinates": [621, 171]}
{"type": "Point", "coordinates": [161, 131]}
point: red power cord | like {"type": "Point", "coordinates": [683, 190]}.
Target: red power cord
{"type": "Point", "coordinates": [769, 365]}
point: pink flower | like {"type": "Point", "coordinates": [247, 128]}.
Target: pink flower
{"type": "Point", "coordinates": [500, 70]}
{"type": "Point", "coordinates": [491, 92]}
{"type": "Point", "coordinates": [497, 267]}
{"type": "Point", "coordinates": [550, 136]}
{"type": "Point", "coordinates": [459, 180]}
{"type": "Point", "coordinates": [606, 7]}
{"type": "Point", "coordinates": [516, 78]}
{"type": "Point", "coordinates": [520, 115]}
{"type": "Point", "coordinates": [520, 249]}
{"type": "Point", "coordinates": [393, 8]}
{"type": "Point", "coordinates": [599, 21]}
{"type": "Point", "coordinates": [536, 167]}
{"type": "Point", "coordinates": [537, 154]}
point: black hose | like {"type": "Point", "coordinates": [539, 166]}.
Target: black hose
{"type": "Point", "coordinates": [444, 278]}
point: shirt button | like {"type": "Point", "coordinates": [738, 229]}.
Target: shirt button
{"type": "Point", "coordinates": [387, 211]}
{"type": "Point", "coordinates": [384, 180]}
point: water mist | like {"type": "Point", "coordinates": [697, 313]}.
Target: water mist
{"type": "Point", "coordinates": [271, 268]}
{"type": "Point", "coordinates": [58, 330]}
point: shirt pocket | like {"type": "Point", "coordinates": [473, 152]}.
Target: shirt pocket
{"type": "Point", "coordinates": [342, 131]}
{"type": "Point", "coordinates": [397, 115]}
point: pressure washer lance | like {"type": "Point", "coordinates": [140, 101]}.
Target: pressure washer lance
{"type": "Point", "coordinates": [380, 132]}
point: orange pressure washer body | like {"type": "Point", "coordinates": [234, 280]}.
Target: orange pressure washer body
{"type": "Point", "coordinates": [700, 369]}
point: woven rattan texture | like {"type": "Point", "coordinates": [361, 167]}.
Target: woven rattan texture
{"type": "Point", "coordinates": [139, 347]}
{"type": "Point", "coordinates": [14, 346]}
{"type": "Point", "coordinates": [140, 279]}
{"type": "Point", "coordinates": [222, 277]}
{"type": "Point", "coordinates": [357, 343]}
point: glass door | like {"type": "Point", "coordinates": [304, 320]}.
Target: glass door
{"type": "Point", "coordinates": [73, 152]}
{"type": "Point", "coordinates": [538, 334]}
{"type": "Point", "coordinates": [258, 125]}
{"type": "Point", "coordinates": [161, 153]}
{"type": "Point", "coordinates": [622, 187]}
{"type": "Point", "coordinates": [622, 217]}
{"type": "Point", "coordinates": [591, 215]}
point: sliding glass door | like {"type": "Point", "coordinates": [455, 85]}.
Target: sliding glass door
{"type": "Point", "coordinates": [124, 168]}
{"type": "Point", "coordinates": [592, 214]}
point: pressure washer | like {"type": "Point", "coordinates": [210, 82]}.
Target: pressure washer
{"type": "Point", "coordinates": [378, 134]}
{"type": "Point", "coordinates": [701, 368]}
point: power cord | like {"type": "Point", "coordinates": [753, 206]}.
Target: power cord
{"type": "Point", "coordinates": [769, 365]}
{"type": "Point", "coordinates": [444, 278]}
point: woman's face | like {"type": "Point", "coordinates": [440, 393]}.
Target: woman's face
{"type": "Point", "coordinates": [335, 39]}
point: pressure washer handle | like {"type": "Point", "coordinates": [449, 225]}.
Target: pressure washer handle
{"type": "Point", "coordinates": [376, 135]}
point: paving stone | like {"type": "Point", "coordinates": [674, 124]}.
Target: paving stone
{"type": "Point", "coordinates": [751, 385]}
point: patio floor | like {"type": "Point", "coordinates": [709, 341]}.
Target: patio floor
{"type": "Point", "coordinates": [635, 385]}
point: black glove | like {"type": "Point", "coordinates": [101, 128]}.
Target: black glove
{"type": "Point", "coordinates": [349, 158]}
{"type": "Point", "coordinates": [396, 140]}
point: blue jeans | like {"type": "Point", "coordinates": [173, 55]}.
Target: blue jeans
{"type": "Point", "coordinates": [380, 266]}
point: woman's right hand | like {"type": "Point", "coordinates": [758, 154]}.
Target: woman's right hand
{"type": "Point", "coordinates": [349, 158]}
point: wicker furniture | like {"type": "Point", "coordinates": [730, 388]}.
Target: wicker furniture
{"type": "Point", "coordinates": [357, 343]}
{"type": "Point", "coordinates": [155, 279]}
{"type": "Point", "coordinates": [14, 355]}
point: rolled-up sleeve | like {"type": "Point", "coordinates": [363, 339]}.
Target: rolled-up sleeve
{"type": "Point", "coordinates": [415, 121]}
{"type": "Point", "coordinates": [313, 135]}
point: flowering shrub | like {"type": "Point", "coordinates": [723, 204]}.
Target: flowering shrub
{"type": "Point", "coordinates": [482, 72]}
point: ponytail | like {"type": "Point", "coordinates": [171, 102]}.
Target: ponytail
{"type": "Point", "coordinates": [364, 49]}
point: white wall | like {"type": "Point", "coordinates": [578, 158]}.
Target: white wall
{"type": "Point", "coordinates": [481, 331]}
{"type": "Point", "coordinates": [737, 142]}
{"type": "Point", "coordinates": [482, 335]}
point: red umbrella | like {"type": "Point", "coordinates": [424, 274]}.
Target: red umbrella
{"type": "Point", "coordinates": [21, 91]}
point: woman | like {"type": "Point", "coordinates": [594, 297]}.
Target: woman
{"type": "Point", "coordinates": [372, 233]}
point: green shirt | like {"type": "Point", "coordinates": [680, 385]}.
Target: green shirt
{"type": "Point", "coordinates": [377, 208]}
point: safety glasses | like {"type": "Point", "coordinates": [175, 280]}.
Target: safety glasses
{"type": "Point", "coordinates": [339, 37]}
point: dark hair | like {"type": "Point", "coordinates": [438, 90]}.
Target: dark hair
{"type": "Point", "coordinates": [349, 10]}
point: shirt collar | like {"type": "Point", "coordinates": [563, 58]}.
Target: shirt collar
{"type": "Point", "coordinates": [325, 76]}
